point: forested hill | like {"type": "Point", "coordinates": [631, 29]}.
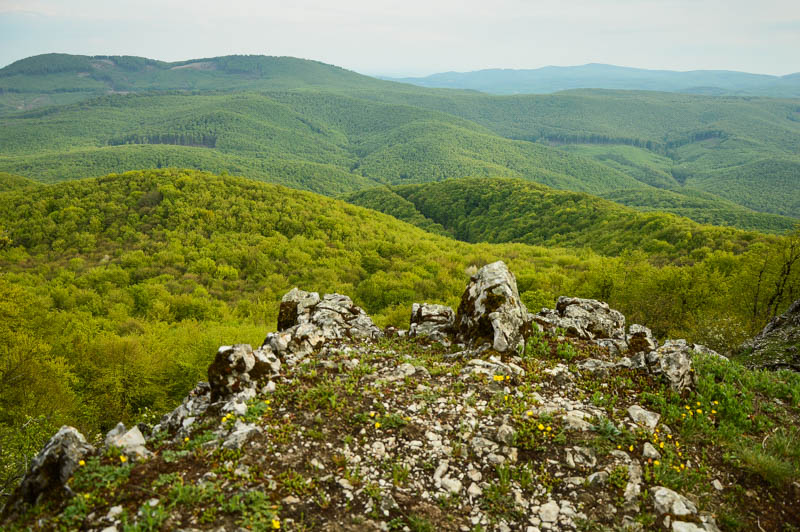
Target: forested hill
{"type": "Point", "coordinates": [557, 78]}
{"type": "Point", "coordinates": [118, 290]}
{"type": "Point", "coordinates": [317, 127]}
{"type": "Point", "coordinates": [505, 210]}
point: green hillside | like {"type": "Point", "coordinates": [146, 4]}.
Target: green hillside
{"type": "Point", "coordinates": [116, 291]}
{"type": "Point", "coordinates": [51, 78]}
{"type": "Point", "coordinates": [502, 210]}
{"type": "Point", "coordinates": [556, 78]}
{"type": "Point", "coordinates": [314, 126]}
{"type": "Point", "coordinates": [719, 145]}
{"type": "Point", "coordinates": [291, 138]}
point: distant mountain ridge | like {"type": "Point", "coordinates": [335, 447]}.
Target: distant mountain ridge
{"type": "Point", "coordinates": [600, 76]}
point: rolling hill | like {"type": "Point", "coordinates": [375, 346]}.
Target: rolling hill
{"type": "Point", "coordinates": [598, 76]}
{"type": "Point", "coordinates": [317, 127]}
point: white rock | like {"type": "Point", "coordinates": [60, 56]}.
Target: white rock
{"type": "Point", "coordinates": [650, 451]}
{"type": "Point", "coordinates": [667, 501]}
{"type": "Point", "coordinates": [474, 490]}
{"type": "Point", "coordinates": [452, 485]}
{"type": "Point", "coordinates": [643, 417]}
{"type": "Point", "coordinates": [681, 526]}
{"type": "Point", "coordinates": [548, 513]}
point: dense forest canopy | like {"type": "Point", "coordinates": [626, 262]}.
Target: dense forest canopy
{"type": "Point", "coordinates": [318, 127]}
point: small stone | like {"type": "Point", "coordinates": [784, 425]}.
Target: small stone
{"type": "Point", "coordinates": [379, 450]}
{"type": "Point", "coordinates": [717, 485]}
{"type": "Point", "coordinates": [650, 452]}
{"type": "Point", "coordinates": [599, 478]}
{"type": "Point", "coordinates": [452, 485]}
{"type": "Point", "coordinates": [548, 513]}
{"type": "Point", "coordinates": [506, 434]}
{"type": "Point", "coordinates": [291, 499]}
{"type": "Point", "coordinates": [681, 526]}
{"type": "Point", "coordinates": [667, 501]}
{"type": "Point", "coordinates": [643, 417]}
{"type": "Point", "coordinates": [474, 490]}
{"type": "Point", "coordinates": [114, 512]}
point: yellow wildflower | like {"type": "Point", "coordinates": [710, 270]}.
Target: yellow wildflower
{"type": "Point", "coordinates": [498, 378]}
{"type": "Point", "coordinates": [630, 448]}
{"type": "Point", "coordinates": [276, 524]}
{"type": "Point", "coordinates": [713, 411]}
{"type": "Point", "coordinates": [86, 496]}
{"type": "Point", "coordinates": [698, 403]}
{"type": "Point", "coordinates": [662, 445]}
{"type": "Point", "coordinates": [377, 425]}
{"type": "Point", "coordinates": [372, 414]}
{"type": "Point", "coordinates": [123, 458]}
{"type": "Point", "coordinates": [81, 463]}
{"type": "Point", "coordinates": [715, 402]}
{"type": "Point", "coordinates": [686, 407]}
{"type": "Point", "coordinates": [669, 436]}
{"type": "Point", "coordinates": [656, 463]}
{"type": "Point", "coordinates": [186, 439]}
{"type": "Point", "coordinates": [540, 427]}
{"type": "Point", "coordinates": [529, 413]}
{"type": "Point", "coordinates": [699, 411]}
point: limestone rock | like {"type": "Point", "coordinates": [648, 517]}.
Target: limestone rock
{"type": "Point", "coordinates": [50, 469]}
{"type": "Point", "coordinates": [585, 318]}
{"type": "Point", "coordinates": [640, 339]}
{"type": "Point", "coordinates": [672, 361]}
{"type": "Point", "coordinates": [434, 321]}
{"type": "Point", "coordinates": [777, 346]}
{"type": "Point", "coordinates": [334, 318]}
{"type": "Point", "coordinates": [130, 442]}
{"type": "Point", "coordinates": [183, 417]}
{"type": "Point", "coordinates": [294, 308]}
{"type": "Point", "coordinates": [667, 501]}
{"type": "Point", "coordinates": [491, 310]}
{"type": "Point", "coordinates": [236, 368]}
{"type": "Point", "coordinates": [643, 417]}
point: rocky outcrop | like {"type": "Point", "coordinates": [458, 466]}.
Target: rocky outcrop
{"type": "Point", "coordinates": [672, 361]}
{"type": "Point", "coordinates": [432, 321]}
{"type": "Point", "coordinates": [438, 428]}
{"type": "Point", "coordinates": [587, 319]}
{"type": "Point", "coordinates": [491, 310]}
{"type": "Point", "coordinates": [50, 469]}
{"type": "Point", "coordinates": [130, 442]}
{"type": "Point", "coordinates": [236, 368]}
{"type": "Point", "coordinates": [777, 346]}
{"type": "Point", "coordinates": [306, 323]}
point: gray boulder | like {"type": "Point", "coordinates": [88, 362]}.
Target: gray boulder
{"type": "Point", "coordinates": [295, 308]}
{"type": "Point", "coordinates": [672, 361]}
{"type": "Point", "coordinates": [587, 319]}
{"type": "Point", "coordinates": [236, 368]}
{"type": "Point", "coordinates": [667, 501]}
{"type": "Point", "coordinates": [130, 442]}
{"type": "Point", "coordinates": [183, 417]}
{"type": "Point", "coordinates": [316, 322]}
{"type": "Point", "coordinates": [434, 321]}
{"type": "Point", "coordinates": [50, 469]}
{"type": "Point", "coordinates": [491, 310]}
{"type": "Point", "coordinates": [640, 339]}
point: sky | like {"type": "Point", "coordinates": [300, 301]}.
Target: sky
{"type": "Point", "coordinates": [419, 37]}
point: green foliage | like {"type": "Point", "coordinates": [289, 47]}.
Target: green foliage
{"type": "Point", "coordinates": [318, 127]}
{"type": "Point", "coordinates": [501, 210]}
{"type": "Point", "coordinates": [117, 291]}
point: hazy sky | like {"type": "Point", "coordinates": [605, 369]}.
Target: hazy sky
{"type": "Point", "coordinates": [418, 37]}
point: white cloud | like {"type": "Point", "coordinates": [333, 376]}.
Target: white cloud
{"type": "Point", "coordinates": [421, 36]}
